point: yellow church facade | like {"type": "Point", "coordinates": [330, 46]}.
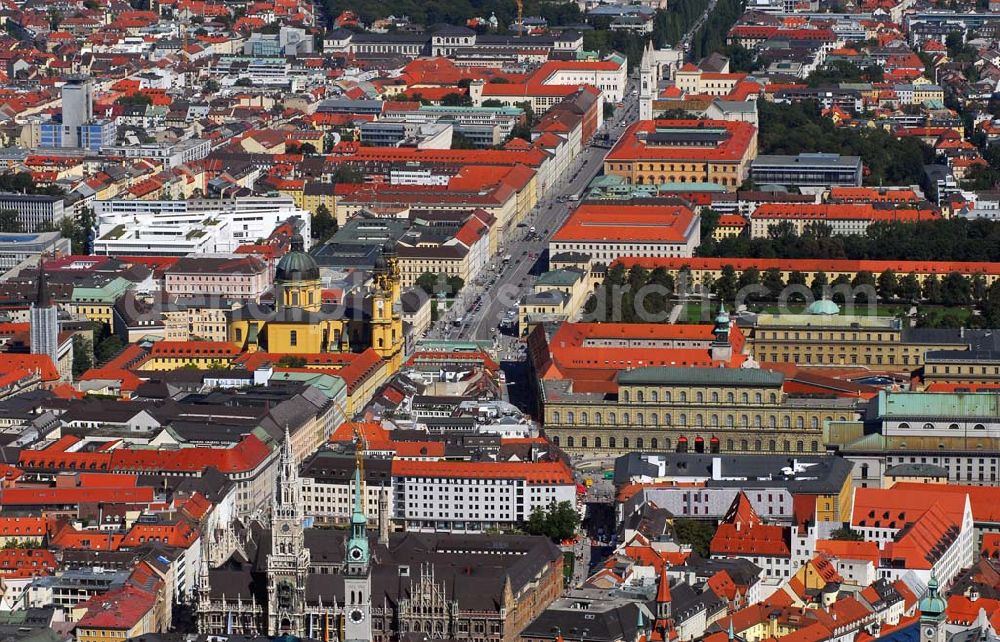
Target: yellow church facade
{"type": "Point", "coordinates": [300, 323]}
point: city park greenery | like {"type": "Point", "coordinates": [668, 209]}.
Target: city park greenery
{"type": "Point", "coordinates": [434, 284]}
{"type": "Point", "coordinates": [801, 127]}
{"type": "Point", "coordinates": [669, 25]}
{"type": "Point", "coordinates": [621, 298]}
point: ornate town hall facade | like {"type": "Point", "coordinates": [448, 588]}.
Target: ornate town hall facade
{"type": "Point", "coordinates": [281, 578]}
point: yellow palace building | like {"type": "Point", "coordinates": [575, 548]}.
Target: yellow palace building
{"type": "Point", "coordinates": [300, 323]}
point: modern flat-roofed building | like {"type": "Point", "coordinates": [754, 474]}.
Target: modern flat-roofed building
{"type": "Point", "coordinates": [770, 483]}
{"type": "Point", "coordinates": [34, 210]}
{"type": "Point", "coordinates": [807, 170]}
{"type": "Point", "coordinates": [684, 151]}
{"type": "Point", "coordinates": [202, 226]}
{"type": "Point", "coordinates": [15, 248]}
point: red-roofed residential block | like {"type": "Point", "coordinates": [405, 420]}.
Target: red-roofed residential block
{"type": "Point", "coordinates": [692, 151]}
{"type": "Point", "coordinates": [26, 562]}
{"type": "Point", "coordinates": [842, 218]}
{"type": "Point", "coordinates": [606, 232]}
{"type": "Point", "coordinates": [743, 534]}
{"type": "Point", "coordinates": [125, 611]}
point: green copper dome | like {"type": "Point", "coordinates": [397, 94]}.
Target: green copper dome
{"type": "Point", "coordinates": [932, 605]}
{"type": "Point", "coordinates": [296, 265]}
{"type": "Point", "coordinates": [823, 306]}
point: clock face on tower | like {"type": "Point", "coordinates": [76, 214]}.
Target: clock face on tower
{"type": "Point", "coordinates": [357, 616]}
{"type": "Point", "coordinates": [929, 632]}
{"type": "Point", "coordinates": [356, 554]}
{"type": "Point", "coordinates": [285, 528]}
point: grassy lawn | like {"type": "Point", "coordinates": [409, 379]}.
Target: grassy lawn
{"type": "Point", "coordinates": [932, 315]}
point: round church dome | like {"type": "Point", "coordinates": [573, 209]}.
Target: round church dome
{"type": "Point", "coordinates": [297, 265]}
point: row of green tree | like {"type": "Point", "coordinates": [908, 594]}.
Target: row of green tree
{"type": "Point", "coordinates": [954, 289]}
{"type": "Point", "coordinates": [558, 522]}
{"type": "Point", "coordinates": [432, 284]}
{"type": "Point", "coordinates": [711, 36]}
{"type": "Point", "coordinates": [840, 71]}
{"type": "Point", "coordinates": [624, 298]}
{"type": "Point", "coordinates": [800, 127]}
{"type": "Point", "coordinates": [955, 239]}
{"type": "Point", "coordinates": [455, 12]}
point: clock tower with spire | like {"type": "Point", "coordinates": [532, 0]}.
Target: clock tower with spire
{"type": "Point", "coordinates": [288, 561]}
{"type": "Point", "coordinates": [357, 573]}
{"type": "Point", "coordinates": [932, 614]}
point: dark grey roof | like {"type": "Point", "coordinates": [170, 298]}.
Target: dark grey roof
{"type": "Point", "coordinates": [809, 159]}
{"type": "Point", "coordinates": [474, 569]}
{"type": "Point", "coordinates": [595, 625]}
{"type": "Point", "coordinates": [328, 466]}
{"type": "Point", "coordinates": [824, 473]}
{"type": "Point", "coordinates": [915, 470]}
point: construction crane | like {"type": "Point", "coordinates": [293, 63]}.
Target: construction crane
{"type": "Point", "coordinates": [520, 17]}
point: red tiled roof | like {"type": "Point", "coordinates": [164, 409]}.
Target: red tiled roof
{"type": "Point", "coordinates": [743, 533]}
{"type": "Point", "coordinates": [40, 363]}
{"type": "Point", "coordinates": [27, 562]}
{"type": "Point", "coordinates": [627, 223]}
{"type": "Point", "coordinates": [895, 507]}
{"type": "Point", "coordinates": [963, 611]}
{"type": "Point", "coordinates": [74, 496]}
{"type": "Point", "coordinates": [991, 545]}
{"type": "Point", "coordinates": [22, 527]}
{"type": "Point", "coordinates": [851, 211]}
{"type": "Point", "coordinates": [984, 500]}
{"type": "Point", "coordinates": [848, 550]}
{"type": "Point", "coordinates": [184, 349]}
{"type": "Point", "coordinates": [117, 609]}
{"type": "Point", "coordinates": [180, 534]}
{"type": "Point", "coordinates": [924, 542]}
{"type": "Point", "coordinates": [630, 148]}
{"type": "Point", "coordinates": [245, 456]}
{"type": "Point", "coordinates": [572, 357]}
{"type": "Point", "coordinates": [378, 438]}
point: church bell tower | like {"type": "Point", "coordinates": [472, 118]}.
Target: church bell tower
{"type": "Point", "coordinates": [357, 572]}
{"type": "Point", "coordinates": [387, 313]}
{"type": "Point", "coordinates": [932, 614]}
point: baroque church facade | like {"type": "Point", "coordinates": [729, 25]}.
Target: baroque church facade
{"type": "Point", "coordinates": [301, 323]}
{"type": "Point", "coordinates": [276, 577]}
